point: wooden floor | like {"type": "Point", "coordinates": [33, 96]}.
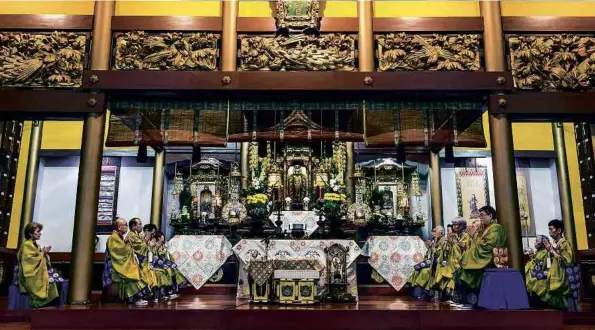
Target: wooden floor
{"type": "Point", "coordinates": [225, 312]}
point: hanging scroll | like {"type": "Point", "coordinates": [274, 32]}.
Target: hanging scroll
{"type": "Point", "coordinates": [472, 191]}
{"type": "Point", "coordinates": [108, 194]}
{"type": "Point", "coordinates": [527, 221]}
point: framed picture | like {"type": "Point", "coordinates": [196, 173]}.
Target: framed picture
{"type": "Point", "coordinates": [108, 194]}
{"type": "Point", "coordinates": [472, 191]}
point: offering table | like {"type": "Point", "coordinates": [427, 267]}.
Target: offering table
{"type": "Point", "coordinates": [198, 257]}
{"type": "Point", "coordinates": [393, 257]}
{"type": "Point", "coordinates": [248, 250]}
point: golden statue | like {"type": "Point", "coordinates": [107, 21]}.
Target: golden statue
{"type": "Point", "coordinates": [297, 183]}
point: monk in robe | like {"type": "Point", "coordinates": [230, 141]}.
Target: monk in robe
{"type": "Point", "coordinates": [479, 256]}
{"type": "Point", "coordinates": [536, 272]}
{"type": "Point", "coordinates": [178, 280]}
{"type": "Point", "coordinates": [34, 272]}
{"type": "Point", "coordinates": [161, 268]}
{"type": "Point", "coordinates": [563, 279]}
{"type": "Point", "coordinates": [141, 250]}
{"type": "Point", "coordinates": [122, 267]}
{"type": "Point", "coordinates": [449, 261]}
{"type": "Point", "coordinates": [423, 278]}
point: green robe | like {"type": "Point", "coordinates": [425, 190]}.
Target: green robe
{"type": "Point", "coordinates": [125, 269]}
{"type": "Point", "coordinates": [480, 256]}
{"type": "Point", "coordinates": [33, 275]}
{"type": "Point", "coordinates": [141, 248]}
{"type": "Point", "coordinates": [162, 275]}
{"type": "Point", "coordinates": [424, 278]}
{"type": "Point", "coordinates": [535, 286]}
{"type": "Point", "coordinates": [557, 280]}
{"type": "Point", "coordinates": [446, 265]}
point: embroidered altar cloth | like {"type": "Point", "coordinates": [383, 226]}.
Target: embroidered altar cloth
{"type": "Point", "coordinates": [199, 256]}
{"type": "Point", "coordinates": [254, 249]}
{"type": "Point", "coordinates": [393, 257]}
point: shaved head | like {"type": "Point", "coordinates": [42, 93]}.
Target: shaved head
{"type": "Point", "coordinates": [121, 226]}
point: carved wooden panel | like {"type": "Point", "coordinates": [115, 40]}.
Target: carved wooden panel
{"type": "Point", "coordinates": [303, 52]}
{"type": "Point", "coordinates": [563, 62]}
{"type": "Point", "coordinates": [173, 51]}
{"type": "Point", "coordinates": [437, 52]}
{"type": "Point", "coordinates": [42, 59]}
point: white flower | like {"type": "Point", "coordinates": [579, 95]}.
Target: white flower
{"type": "Point", "coordinates": [306, 199]}
{"type": "Point", "coordinates": [288, 199]}
{"type": "Point", "coordinates": [335, 188]}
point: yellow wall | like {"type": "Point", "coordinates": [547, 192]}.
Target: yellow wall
{"type": "Point", "coordinates": [67, 135]}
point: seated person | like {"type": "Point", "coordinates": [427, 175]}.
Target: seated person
{"type": "Point", "coordinates": [479, 255]}
{"type": "Point", "coordinates": [164, 282]}
{"type": "Point", "coordinates": [140, 246]}
{"type": "Point", "coordinates": [148, 231]}
{"type": "Point", "coordinates": [121, 267]}
{"type": "Point", "coordinates": [563, 278]}
{"type": "Point", "coordinates": [536, 272]}
{"type": "Point", "coordinates": [449, 260]}
{"type": "Point", "coordinates": [423, 278]}
{"type": "Point", "coordinates": [35, 275]}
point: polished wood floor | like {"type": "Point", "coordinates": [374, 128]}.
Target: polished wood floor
{"type": "Point", "coordinates": [190, 308]}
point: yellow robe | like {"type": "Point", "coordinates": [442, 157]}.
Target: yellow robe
{"type": "Point", "coordinates": [425, 277]}
{"type": "Point", "coordinates": [558, 279]}
{"type": "Point", "coordinates": [162, 274]}
{"type": "Point", "coordinates": [141, 248]}
{"type": "Point", "coordinates": [480, 256]}
{"type": "Point", "coordinates": [448, 262]}
{"type": "Point", "coordinates": [537, 286]}
{"type": "Point", "coordinates": [33, 275]}
{"type": "Point", "coordinates": [125, 269]}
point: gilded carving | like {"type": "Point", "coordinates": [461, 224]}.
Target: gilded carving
{"type": "Point", "coordinates": [42, 60]}
{"type": "Point", "coordinates": [139, 50]}
{"type": "Point", "coordinates": [298, 15]}
{"type": "Point", "coordinates": [438, 52]}
{"type": "Point", "coordinates": [552, 63]}
{"type": "Point", "coordinates": [329, 52]}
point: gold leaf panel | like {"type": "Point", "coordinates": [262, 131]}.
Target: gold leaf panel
{"type": "Point", "coordinates": [329, 52]}
{"type": "Point", "coordinates": [139, 50]}
{"type": "Point", "coordinates": [563, 62]}
{"type": "Point", "coordinates": [42, 59]}
{"type": "Point", "coordinates": [438, 52]}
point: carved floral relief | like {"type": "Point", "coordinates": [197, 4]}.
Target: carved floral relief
{"type": "Point", "coordinates": [139, 50]}
{"type": "Point", "coordinates": [41, 59]}
{"type": "Point", "coordinates": [552, 63]}
{"type": "Point", "coordinates": [328, 52]}
{"type": "Point", "coordinates": [438, 52]}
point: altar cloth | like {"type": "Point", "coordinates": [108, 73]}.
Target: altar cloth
{"type": "Point", "coordinates": [503, 289]}
{"type": "Point", "coordinates": [198, 257]}
{"type": "Point", "coordinates": [308, 218]}
{"type": "Point", "coordinates": [393, 257]}
{"type": "Point", "coordinates": [254, 249]}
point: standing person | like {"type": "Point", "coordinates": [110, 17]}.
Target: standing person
{"type": "Point", "coordinates": [36, 277]}
{"type": "Point", "coordinates": [563, 279]}
{"type": "Point", "coordinates": [121, 267]}
{"type": "Point", "coordinates": [141, 250]}
{"type": "Point", "coordinates": [422, 280]}
{"type": "Point", "coordinates": [536, 272]}
{"type": "Point", "coordinates": [480, 256]}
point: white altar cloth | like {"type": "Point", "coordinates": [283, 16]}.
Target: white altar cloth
{"type": "Point", "coordinates": [199, 256]}
{"type": "Point", "coordinates": [308, 218]}
{"type": "Point", "coordinates": [249, 249]}
{"type": "Point", "coordinates": [393, 257]}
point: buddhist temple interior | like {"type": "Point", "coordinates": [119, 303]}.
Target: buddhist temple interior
{"type": "Point", "coordinates": [344, 132]}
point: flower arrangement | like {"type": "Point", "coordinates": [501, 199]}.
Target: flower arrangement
{"type": "Point", "coordinates": [333, 202]}
{"type": "Point", "coordinates": [257, 199]}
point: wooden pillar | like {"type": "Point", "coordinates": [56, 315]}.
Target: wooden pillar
{"type": "Point", "coordinates": [87, 195]}
{"type": "Point", "coordinates": [31, 177]}
{"type": "Point", "coordinates": [229, 50]}
{"type": "Point", "coordinates": [157, 193]}
{"type": "Point", "coordinates": [365, 49]}
{"type": "Point", "coordinates": [564, 183]}
{"type": "Point", "coordinates": [505, 186]}
{"type": "Point", "coordinates": [436, 189]}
